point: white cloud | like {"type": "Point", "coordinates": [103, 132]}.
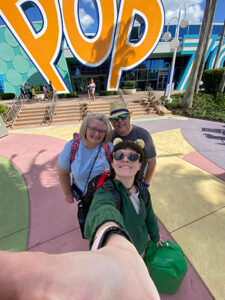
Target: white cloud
{"type": "Point", "coordinates": [194, 12]}
{"type": "Point", "coordinates": [88, 2]}
{"type": "Point", "coordinates": [85, 19]}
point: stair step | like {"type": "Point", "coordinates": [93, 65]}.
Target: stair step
{"type": "Point", "coordinates": [70, 113]}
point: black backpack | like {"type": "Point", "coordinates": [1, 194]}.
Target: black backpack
{"type": "Point", "coordinates": [108, 185]}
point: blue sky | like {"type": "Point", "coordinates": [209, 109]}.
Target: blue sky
{"type": "Point", "coordinates": [194, 10]}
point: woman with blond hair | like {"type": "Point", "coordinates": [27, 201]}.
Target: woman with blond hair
{"type": "Point", "coordinates": [85, 156]}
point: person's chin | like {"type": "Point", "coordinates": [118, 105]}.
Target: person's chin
{"type": "Point", "coordinates": [95, 143]}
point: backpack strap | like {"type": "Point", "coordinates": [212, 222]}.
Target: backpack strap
{"type": "Point", "coordinates": [143, 191]}
{"type": "Point", "coordinates": [74, 147]}
{"type": "Point", "coordinates": [107, 152]}
{"type": "Point", "coordinates": [109, 185]}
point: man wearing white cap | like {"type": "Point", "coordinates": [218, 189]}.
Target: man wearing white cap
{"type": "Point", "coordinates": [120, 119]}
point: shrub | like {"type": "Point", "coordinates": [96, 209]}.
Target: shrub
{"type": "Point", "coordinates": [207, 106]}
{"type": "Point", "coordinates": [68, 95]}
{"type": "Point", "coordinates": [3, 109]}
{"type": "Point", "coordinates": [176, 103]}
{"type": "Point", "coordinates": [107, 93]}
{"type": "Point", "coordinates": [6, 96]}
{"type": "Point", "coordinates": [38, 89]}
{"type": "Point", "coordinates": [212, 79]}
{"type": "Point", "coordinates": [129, 85]}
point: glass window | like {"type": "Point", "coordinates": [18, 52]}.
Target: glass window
{"type": "Point", "coordinates": [142, 74]}
{"type": "Point", "coordinates": [131, 75]}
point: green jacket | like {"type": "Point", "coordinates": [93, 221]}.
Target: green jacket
{"type": "Point", "coordinates": [103, 209]}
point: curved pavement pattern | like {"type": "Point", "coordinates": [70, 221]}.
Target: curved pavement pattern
{"type": "Point", "coordinates": [187, 197]}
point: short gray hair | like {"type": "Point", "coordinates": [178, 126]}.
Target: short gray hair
{"type": "Point", "coordinates": [100, 117]}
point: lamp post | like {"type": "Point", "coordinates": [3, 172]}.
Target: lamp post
{"type": "Point", "coordinates": [174, 44]}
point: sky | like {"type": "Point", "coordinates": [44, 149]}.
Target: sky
{"type": "Point", "coordinates": [194, 12]}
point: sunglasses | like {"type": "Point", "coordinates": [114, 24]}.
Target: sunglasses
{"type": "Point", "coordinates": [122, 117]}
{"type": "Point", "coordinates": [94, 130]}
{"type": "Point", "coordinates": [132, 156]}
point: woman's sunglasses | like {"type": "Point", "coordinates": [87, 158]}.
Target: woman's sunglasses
{"type": "Point", "coordinates": [122, 117]}
{"type": "Point", "coordinates": [132, 156]}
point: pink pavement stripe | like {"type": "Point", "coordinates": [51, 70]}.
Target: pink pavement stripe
{"type": "Point", "coordinates": [68, 242]}
{"type": "Point", "coordinates": [36, 158]}
{"type": "Point", "coordinates": [202, 162]}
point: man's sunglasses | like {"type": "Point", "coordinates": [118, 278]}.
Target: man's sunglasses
{"type": "Point", "coordinates": [122, 117]}
{"type": "Point", "coordinates": [132, 156]}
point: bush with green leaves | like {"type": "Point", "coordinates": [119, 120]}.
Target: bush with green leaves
{"type": "Point", "coordinates": [3, 109]}
{"type": "Point", "coordinates": [207, 106]}
{"type": "Point", "coordinates": [68, 95]}
{"type": "Point", "coordinates": [107, 93]}
{"type": "Point", "coordinates": [129, 85]}
{"type": "Point", "coordinates": [6, 96]}
{"type": "Point", "coordinates": [38, 89]}
{"type": "Point", "coordinates": [176, 101]}
{"type": "Point", "coordinates": [211, 79]}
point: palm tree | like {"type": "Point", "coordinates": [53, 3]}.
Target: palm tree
{"type": "Point", "coordinates": [195, 75]}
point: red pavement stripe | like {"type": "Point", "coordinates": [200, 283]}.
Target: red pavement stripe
{"type": "Point", "coordinates": [36, 157]}
{"type": "Point", "coordinates": [202, 162]}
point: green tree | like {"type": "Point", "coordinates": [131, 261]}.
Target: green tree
{"type": "Point", "coordinates": [203, 41]}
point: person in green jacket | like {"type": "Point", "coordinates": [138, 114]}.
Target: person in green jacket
{"type": "Point", "coordinates": [136, 215]}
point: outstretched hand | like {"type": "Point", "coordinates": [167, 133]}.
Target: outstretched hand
{"type": "Point", "coordinates": [116, 271]}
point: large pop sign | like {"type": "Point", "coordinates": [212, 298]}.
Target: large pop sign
{"type": "Point", "coordinates": [61, 19]}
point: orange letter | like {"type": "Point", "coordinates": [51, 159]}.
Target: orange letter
{"type": "Point", "coordinates": [42, 47]}
{"type": "Point", "coordinates": [90, 51]}
{"type": "Point", "coordinates": [126, 55]}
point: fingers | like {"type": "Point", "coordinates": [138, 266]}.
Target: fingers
{"type": "Point", "coordinates": [69, 198]}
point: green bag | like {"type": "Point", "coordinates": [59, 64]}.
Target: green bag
{"type": "Point", "coordinates": [166, 265]}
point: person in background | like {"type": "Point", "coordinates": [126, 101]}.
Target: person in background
{"type": "Point", "coordinates": [28, 90]}
{"type": "Point", "coordinates": [136, 214]}
{"type": "Point", "coordinates": [45, 91]}
{"type": "Point", "coordinates": [51, 90]}
{"type": "Point", "coordinates": [34, 96]}
{"type": "Point", "coordinates": [23, 92]}
{"type": "Point", "coordinates": [91, 157]}
{"type": "Point", "coordinates": [120, 119]}
{"type": "Point", "coordinates": [91, 88]}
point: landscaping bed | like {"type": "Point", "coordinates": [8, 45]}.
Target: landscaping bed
{"type": "Point", "coordinates": [205, 106]}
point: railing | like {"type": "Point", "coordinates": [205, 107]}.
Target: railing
{"type": "Point", "coordinates": [155, 102]}
{"type": "Point", "coordinates": [50, 110]}
{"type": "Point", "coordinates": [120, 93]}
{"type": "Point", "coordinates": [84, 110]}
{"type": "Point", "coordinates": [13, 111]}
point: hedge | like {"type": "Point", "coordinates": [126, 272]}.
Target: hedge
{"type": "Point", "coordinates": [68, 95]}
{"type": "Point", "coordinates": [6, 96]}
{"type": "Point", "coordinates": [107, 93]}
{"type": "Point", "coordinates": [211, 79]}
{"type": "Point", "coordinates": [129, 85]}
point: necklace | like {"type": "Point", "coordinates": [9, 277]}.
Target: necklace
{"type": "Point", "coordinates": [128, 190]}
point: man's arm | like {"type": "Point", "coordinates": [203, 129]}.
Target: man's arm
{"type": "Point", "coordinates": [151, 166]}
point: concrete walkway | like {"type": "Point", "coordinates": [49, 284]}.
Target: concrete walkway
{"type": "Point", "coordinates": [187, 190]}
